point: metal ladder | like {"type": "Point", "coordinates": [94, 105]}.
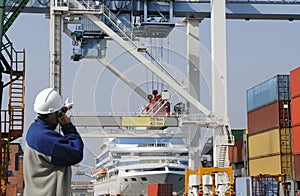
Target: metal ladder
{"type": "Point", "coordinates": [223, 154]}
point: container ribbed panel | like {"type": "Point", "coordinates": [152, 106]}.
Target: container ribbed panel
{"type": "Point", "coordinates": [276, 88]}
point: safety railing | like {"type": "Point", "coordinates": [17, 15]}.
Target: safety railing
{"type": "Point", "coordinates": [122, 29]}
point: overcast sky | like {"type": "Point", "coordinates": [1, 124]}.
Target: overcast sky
{"type": "Point", "coordinates": [256, 51]}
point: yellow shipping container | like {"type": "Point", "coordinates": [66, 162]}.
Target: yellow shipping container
{"type": "Point", "coordinates": [267, 165]}
{"type": "Point", "coordinates": [272, 165]}
{"type": "Point", "coordinates": [270, 143]}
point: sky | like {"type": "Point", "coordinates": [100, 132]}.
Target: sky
{"type": "Point", "coordinates": [256, 51]}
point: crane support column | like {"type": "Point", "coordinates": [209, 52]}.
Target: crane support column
{"type": "Point", "coordinates": [56, 30]}
{"type": "Point", "coordinates": [219, 79]}
{"type": "Point", "coordinates": [193, 55]}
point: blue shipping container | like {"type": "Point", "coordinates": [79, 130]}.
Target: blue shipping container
{"type": "Point", "coordinates": [275, 89]}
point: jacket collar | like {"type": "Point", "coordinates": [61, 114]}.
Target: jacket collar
{"type": "Point", "coordinates": [45, 124]}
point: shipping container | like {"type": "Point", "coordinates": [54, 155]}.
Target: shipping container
{"type": "Point", "coordinates": [295, 111]}
{"type": "Point", "coordinates": [243, 186]}
{"type": "Point", "coordinates": [238, 134]}
{"type": "Point", "coordinates": [274, 115]}
{"type": "Point", "coordinates": [272, 142]}
{"type": "Point", "coordinates": [264, 144]}
{"type": "Point", "coordinates": [274, 89]}
{"type": "Point", "coordinates": [266, 165]}
{"type": "Point", "coordinates": [258, 185]}
{"type": "Point", "coordinates": [297, 167]}
{"type": "Point", "coordinates": [272, 165]}
{"type": "Point", "coordinates": [295, 83]}
{"type": "Point", "coordinates": [296, 139]}
{"type": "Point", "coordinates": [12, 190]}
{"type": "Point", "coordinates": [268, 185]}
{"type": "Point", "coordinates": [236, 152]}
{"type": "Point", "coordinates": [160, 189]}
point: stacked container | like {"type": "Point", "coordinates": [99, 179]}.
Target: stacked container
{"type": "Point", "coordinates": [160, 189]}
{"type": "Point", "coordinates": [295, 110]}
{"type": "Point", "coordinates": [269, 128]}
{"type": "Point", "coordinates": [236, 152]}
{"type": "Point", "coordinates": [258, 185]}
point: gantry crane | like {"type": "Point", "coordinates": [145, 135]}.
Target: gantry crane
{"type": "Point", "coordinates": [13, 65]}
{"type": "Point", "coordinates": [105, 24]}
{"type": "Point", "coordinates": [141, 17]}
{"type": "Point", "coordinates": [101, 21]}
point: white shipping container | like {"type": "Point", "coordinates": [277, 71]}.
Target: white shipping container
{"type": "Point", "coordinates": [243, 186]}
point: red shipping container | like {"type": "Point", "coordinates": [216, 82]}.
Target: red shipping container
{"type": "Point", "coordinates": [295, 82]}
{"type": "Point", "coordinates": [236, 152]}
{"type": "Point", "coordinates": [297, 167]}
{"type": "Point", "coordinates": [295, 111]}
{"type": "Point", "coordinates": [296, 139]}
{"type": "Point", "coordinates": [274, 115]}
{"type": "Point", "coordinates": [160, 189]}
{"type": "Point", "coordinates": [11, 190]}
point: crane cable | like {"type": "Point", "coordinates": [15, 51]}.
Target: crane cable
{"type": "Point", "coordinates": [162, 59]}
{"type": "Point", "coordinates": [151, 51]}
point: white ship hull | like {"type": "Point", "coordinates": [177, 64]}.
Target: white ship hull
{"type": "Point", "coordinates": [127, 166]}
{"type": "Point", "coordinates": [137, 185]}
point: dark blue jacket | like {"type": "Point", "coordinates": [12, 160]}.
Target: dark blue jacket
{"type": "Point", "coordinates": [48, 156]}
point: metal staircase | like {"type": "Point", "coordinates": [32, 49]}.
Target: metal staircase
{"type": "Point", "coordinates": [16, 95]}
{"type": "Point", "coordinates": [14, 61]}
{"type": "Point", "coordinates": [223, 148]}
{"type": "Point", "coordinates": [223, 156]}
{"type": "Point", "coordinates": [12, 120]}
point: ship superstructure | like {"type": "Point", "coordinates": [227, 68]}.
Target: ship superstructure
{"type": "Point", "coordinates": [126, 166]}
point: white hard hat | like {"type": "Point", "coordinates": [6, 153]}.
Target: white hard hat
{"type": "Point", "coordinates": [47, 101]}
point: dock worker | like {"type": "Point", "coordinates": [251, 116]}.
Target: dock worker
{"type": "Point", "coordinates": [48, 154]}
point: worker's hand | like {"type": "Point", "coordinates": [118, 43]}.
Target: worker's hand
{"type": "Point", "coordinates": [63, 118]}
